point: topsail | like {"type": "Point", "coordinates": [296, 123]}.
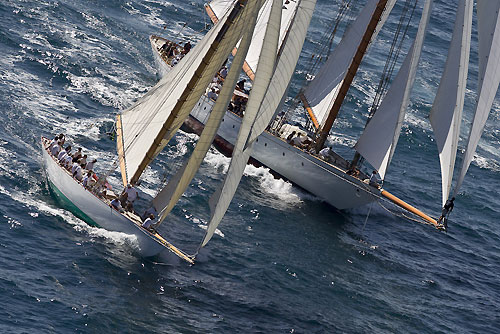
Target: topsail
{"type": "Point", "coordinates": [217, 8]}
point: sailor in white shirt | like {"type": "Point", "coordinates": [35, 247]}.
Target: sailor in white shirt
{"type": "Point", "coordinates": [74, 167]}
{"type": "Point", "coordinates": [67, 161]}
{"type": "Point", "coordinates": [116, 204]}
{"type": "Point", "coordinates": [148, 222]}
{"type": "Point", "coordinates": [53, 142]}
{"type": "Point", "coordinates": [78, 173]}
{"type": "Point", "coordinates": [325, 153]}
{"type": "Point", "coordinates": [131, 193]}
{"type": "Point", "coordinates": [85, 181]}
{"type": "Point", "coordinates": [90, 165]}
{"type": "Point", "coordinates": [55, 149]}
{"type": "Point", "coordinates": [212, 95]}
{"type": "Point", "coordinates": [62, 155]}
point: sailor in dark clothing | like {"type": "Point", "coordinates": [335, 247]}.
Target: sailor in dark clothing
{"type": "Point", "coordinates": [241, 84]}
{"type": "Point", "coordinates": [187, 47]}
{"type": "Point", "coordinates": [447, 208]}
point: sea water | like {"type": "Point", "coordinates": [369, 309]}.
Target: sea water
{"type": "Point", "coordinates": [282, 261]}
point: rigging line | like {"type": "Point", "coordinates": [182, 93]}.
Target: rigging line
{"type": "Point", "coordinates": [403, 215]}
{"type": "Point", "coordinates": [322, 51]}
{"type": "Point", "coordinates": [326, 40]}
{"type": "Point", "coordinates": [392, 57]}
{"type": "Point", "coordinates": [367, 215]}
{"type": "Point", "coordinates": [391, 61]}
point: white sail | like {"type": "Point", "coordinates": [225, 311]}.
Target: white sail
{"type": "Point", "coordinates": [446, 112]}
{"type": "Point", "coordinates": [274, 93]}
{"type": "Point", "coordinates": [320, 94]}
{"type": "Point", "coordinates": [380, 137]}
{"type": "Point", "coordinates": [218, 7]}
{"type": "Point", "coordinates": [145, 128]}
{"type": "Point", "coordinates": [168, 197]}
{"type": "Point", "coordinates": [488, 21]}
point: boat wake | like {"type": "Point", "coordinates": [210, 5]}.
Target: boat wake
{"type": "Point", "coordinates": [34, 207]}
{"type": "Point", "coordinates": [283, 190]}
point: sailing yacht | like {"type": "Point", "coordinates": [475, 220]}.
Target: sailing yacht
{"type": "Point", "coordinates": [146, 127]}
{"type": "Point", "coordinates": [332, 180]}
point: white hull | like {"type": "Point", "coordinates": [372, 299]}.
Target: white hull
{"type": "Point", "coordinates": [309, 172]}
{"type": "Point", "coordinates": [95, 209]}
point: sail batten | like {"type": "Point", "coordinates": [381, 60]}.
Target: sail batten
{"type": "Point", "coordinates": [380, 137]}
{"type": "Point", "coordinates": [446, 112]}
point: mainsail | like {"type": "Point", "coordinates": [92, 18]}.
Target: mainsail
{"type": "Point", "coordinates": [446, 112]}
{"type": "Point", "coordinates": [320, 94]}
{"type": "Point", "coordinates": [217, 8]}
{"type": "Point", "coordinates": [260, 108]}
{"type": "Point", "coordinates": [145, 128]}
{"type": "Point", "coordinates": [488, 22]}
{"type": "Point", "coordinates": [380, 137]}
{"type": "Point", "coordinates": [168, 197]}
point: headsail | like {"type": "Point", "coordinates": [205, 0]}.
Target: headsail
{"type": "Point", "coordinates": [446, 112]}
{"type": "Point", "coordinates": [146, 127]}
{"type": "Point", "coordinates": [168, 197]}
{"type": "Point", "coordinates": [217, 8]}
{"type": "Point", "coordinates": [320, 94]}
{"type": "Point", "coordinates": [259, 114]}
{"type": "Point", "coordinates": [488, 21]}
{"type": "Point", "coordinates": [380, 137]}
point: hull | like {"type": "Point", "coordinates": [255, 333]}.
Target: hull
{"type": "Point", "coordinates": [324, 180]}
{"type": "Point", "coordinates": [156, 43]}
{"type": "Point", "coordinates": [97, 211]}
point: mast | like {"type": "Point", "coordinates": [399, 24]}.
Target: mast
{"type": "Point", "coordinates": [351, 72]}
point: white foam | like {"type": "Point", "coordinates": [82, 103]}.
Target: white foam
{"type": "Point", "coordinates": [116, 238]}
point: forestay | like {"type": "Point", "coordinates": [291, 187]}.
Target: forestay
{"type": "Point", "coordinates": [217, 8]}
{"type": "Point", "coordinates": [261, 107]}
{"type": "Point", "coordinates": [488, 22]}
{"type": "Point", "coordinates": [380, 137]}
{"type": "Point", "coordinates": [145, 128]}
{"type": "Point", "coordinates": [320, 94]}
{"type": "Point", "coordinates": [446, 112]}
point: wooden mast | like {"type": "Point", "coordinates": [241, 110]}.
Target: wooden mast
{"type": "Point", "coordinates": [351, 72]}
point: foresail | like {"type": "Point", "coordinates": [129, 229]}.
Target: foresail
{"type": "Point", "coordinates": [488, 21]}
{"type": "Point", "coordinates": [446, 112]}
{"type": "Point", "coordinates": [380, 137]}
{"type": "Point", "coordinates": [261, 111]}
{"type": "Point", "coordinates": [168, 197]}
{"type": "Point", "coordinates": [320, 94]}
{"type": "Point", "coordinates": [145, 128]}
{"type": "Point", "coordinates": [218, 7]}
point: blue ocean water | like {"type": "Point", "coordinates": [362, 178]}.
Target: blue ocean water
{"type": "Point", "coordinates": [283, 261]}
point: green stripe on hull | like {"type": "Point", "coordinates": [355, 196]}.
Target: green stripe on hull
{"type": "Point", "coordinates": [70, 206]}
